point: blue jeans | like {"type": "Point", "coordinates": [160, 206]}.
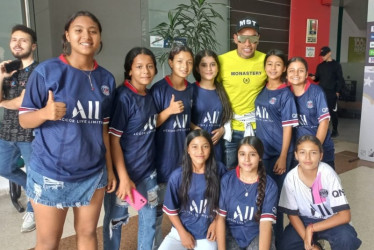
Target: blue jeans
{"type": "Point", "coordinates": [116, 215]}
{"type": "Point", "coordinates": [10, 152]}
{"type": "Point", "coordinates": [339, 237]}
{"type": "Point", "coordinates": [159, 215]}
{"type": "Point", "coordinates": [279, 179]}
{"type": "Point", "coordinates": [231, 149]}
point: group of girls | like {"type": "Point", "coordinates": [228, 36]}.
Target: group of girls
{"type": "Point", "coordinates": [70, 100]}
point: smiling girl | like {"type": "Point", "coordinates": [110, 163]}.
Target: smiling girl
{"type": "Point", "coordinates": [133, 123]}
{"type": "Point", "coordinates": [248, 200]}
{"type": "Point", "coordinates": [276, 115]}
{"type": "Point", "coordinates": [311, 106]}
{"type": "Point", "coordinates": [173, 98]}
{"type": "Point", "coordinates": [191, 197]}
{"type": "Point", "coordinates": [315, 202]}
{"type": "Point", "coordinates": [211, 108]}
{"type": "Point", "coordinates": [68, 101]}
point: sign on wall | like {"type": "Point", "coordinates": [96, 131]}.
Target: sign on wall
{"type": "Point", "coordinates": [311, 30]}
{"type": "Point", "coordinates": [356, 49]}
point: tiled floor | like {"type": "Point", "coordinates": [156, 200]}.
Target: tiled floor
{"type": "Point", "coordinates": [356, 178]}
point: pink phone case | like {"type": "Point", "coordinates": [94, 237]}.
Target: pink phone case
{"type": "Point", "coordinates": [139, 200]}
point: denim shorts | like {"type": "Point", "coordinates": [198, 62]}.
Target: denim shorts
{"type": "Point", "coordinates": [60, 194]}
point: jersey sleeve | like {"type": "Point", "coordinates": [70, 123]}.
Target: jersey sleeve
{"type": "Point", "coordinates": [287, 201]}
{"type": "Point", "coordinates": [289, 111]}
{"type": "Point", "coordinates": [120, 116]}
{"type": "Point", "coordinates": [36, 94]}
{"type": "Point", "coordinates": [322, 108]}
{"type": "Point", "coordinates": [269, 205]}
{"type": "Point", "coordinates": [109, 102]}
{"type": "Point", "coordinates": [158, 97]}
{"type": "Point", "coordinates": [171, 200]}
{"type": "Point", "coordinates": [222, 211]}
{"type": "Point", "coordinates": [338, 200]}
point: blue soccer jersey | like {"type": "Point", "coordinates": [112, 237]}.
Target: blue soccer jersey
{"type": "Point", "coordinates": [207, 113]}
{"type": "Point", "coordinates": [237, 203]}
{"type": "Point", "coordinates": [275, 109]}
{"type": "Point", "coordinates": [170, 136]}
{"type": "Point", "coordinates": [134, 121]}
{"type": "Point", "coordinates": [312, 109]}
{"type": "Point", "coordinates": [71, 148]}
{"type": "Point", "coordinates": [195, 215]}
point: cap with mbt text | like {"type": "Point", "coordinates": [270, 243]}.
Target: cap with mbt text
{"type": "Point", "coordinates": [324, 51]}
{"type": "Point", "coordinates": [247, 23]}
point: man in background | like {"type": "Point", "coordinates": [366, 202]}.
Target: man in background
{"type": "Point", "coordinates": [330, 76]}
{"type": "Point", "coordinates": [14, 140]}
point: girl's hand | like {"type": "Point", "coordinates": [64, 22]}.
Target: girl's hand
{"type": "Point", "coordinates": [187, 240]}
{"type": "Point", "coordinates": [175, 107]}
{"type": "Point", "coordinates": [54, 110]}
{"type": "Point", "coordinates": [217, 134]}
{"type": "Point", "coordinates": [280, 166]}
{"type": "Point", "coordinates": [112, 182]}
{"type": "Point", "coordinates": [211, 234]}
{"type": "Point", "coordinates": [124, 189]}
{"type": "Point", "coordinates": [308, 238]}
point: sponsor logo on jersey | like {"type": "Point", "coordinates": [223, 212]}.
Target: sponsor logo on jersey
{"type": "Point", "coordinates": [180, 121]}
{"type": "Point", "coordinates": [246, 80]}
{"type": "Point", "coordinates": [151, 124]}
{"type": "Point", "coordinates": [92, 112]}
{"type": "Point", "coordinates": [262, 113]}
{"type": "Point", "coordinates": [338, 193]}
{"type": "Point", "coordinates": [294, 115]}
{"type": "Point", "coordinates": [211, 118]}
{"type": "Point", "coordinates": [309, 104]}
{"type": "Point", "coordinates": [245, 215]}
{"type": "Point", "coordinates": [105, 90]}
{"type": "Point", "coordinates": [272, 100]}
{"type": "Point", "coordinates": [302, 120]}
{"type": "Point", "coordinates": [199, 207]}
{"type": "Point", "coordinates": [325, 110]}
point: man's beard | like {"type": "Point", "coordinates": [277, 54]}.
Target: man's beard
{"type": "Point", "coordinates": [23, 55]}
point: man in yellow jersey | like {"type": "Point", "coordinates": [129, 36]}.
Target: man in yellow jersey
{"type": "Point", "coordinates": [243, 77]}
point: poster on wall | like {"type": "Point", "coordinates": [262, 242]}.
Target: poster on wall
{"type": "Point", "coordinates": [310, 52]}
{"type": "Point", "coordinates": [366, 143]}
{"type": "Point", "coordinates": [311, 30]}
{"type": "Point", "coordinates": [356, 49]}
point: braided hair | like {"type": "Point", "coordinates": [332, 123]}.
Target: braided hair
{"type": "Point", "coordinates": [256, 143]}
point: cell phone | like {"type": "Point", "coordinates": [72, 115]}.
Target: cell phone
{"type": "Point", "coordinates": [13, 65]}
{"type": "Point", "coordinates": [139, 200]}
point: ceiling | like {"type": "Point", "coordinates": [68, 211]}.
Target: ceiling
{"type": "Point", "coordinates": [356, 9]}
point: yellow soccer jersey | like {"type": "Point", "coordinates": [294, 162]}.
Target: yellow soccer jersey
{"type": "Point", "coordinates": [243, 79]}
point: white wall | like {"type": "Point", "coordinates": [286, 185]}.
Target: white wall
{"type": "Point", "coordinates": [351, 71]}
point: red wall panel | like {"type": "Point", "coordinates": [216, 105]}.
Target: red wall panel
{"type": "Point", "coordinates": [301, 10]}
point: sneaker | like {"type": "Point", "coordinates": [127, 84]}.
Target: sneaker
{"type": "Point", "coordinates": [28, 224]}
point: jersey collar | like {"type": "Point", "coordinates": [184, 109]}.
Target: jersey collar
{"type": "Point", "coordinates": [63, 59]}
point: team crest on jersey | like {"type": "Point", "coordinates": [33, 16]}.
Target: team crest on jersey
{"type": "Point", "coordinates": [272, 100]}
{"type": "Point", "coordinates": [323, 193]}
{"type": "Point", "coordinates": [105, 90]}
{"type": "Point", "coordinates": [309, 104]}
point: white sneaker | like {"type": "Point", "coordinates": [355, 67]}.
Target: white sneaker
{"type": "Point", "coordinates": [28, 224]}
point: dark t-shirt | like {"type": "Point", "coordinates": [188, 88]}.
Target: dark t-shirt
{"type": "Point", "coordinates": [10, 130]}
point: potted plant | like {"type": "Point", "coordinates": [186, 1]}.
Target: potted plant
{"type": "Point", "coordinates": [193, 24]}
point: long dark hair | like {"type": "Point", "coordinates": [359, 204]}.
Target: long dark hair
{"type": "Point", "coordinates": [211, 176]}
{"type": "Point", "coordinates": [130, 56]}
{"type": "Point", "coordinates": [227, 111]}
{"type": "Point", "coordinates": [65, 43]}
{"type": "Point", "coordinates": [282, 56]}
{"type": "Point", "coordinates": [256, 143]}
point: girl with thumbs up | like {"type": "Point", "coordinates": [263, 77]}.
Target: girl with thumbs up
{"type": "Point", "coordinates": [173, 99]}
{"type": "Point", "coordinates": [68, 101]}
